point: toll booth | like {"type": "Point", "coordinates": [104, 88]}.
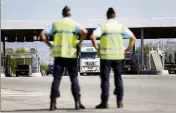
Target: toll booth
{"type": "Point", "coordinates": [143, 28]}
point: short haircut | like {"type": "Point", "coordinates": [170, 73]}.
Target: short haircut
{"type": "Point", "coordinates": [110, 13]}
{"type": "Point", "coordinates": [66, 11]}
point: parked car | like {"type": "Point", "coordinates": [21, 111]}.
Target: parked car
{"type": "Point", "coordinates": [23, 70]}
{"type": "Point", "coordinates": [50, 69]}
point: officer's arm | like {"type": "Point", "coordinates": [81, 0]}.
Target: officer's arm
{"type": "Point", "coordinates": [93, 38]}
{"type": "Point", "coordinates": [83, 35]}
{"type": "Point", "coordinates": [132, 39]}
{"type": "Point", "coordinates": [43, 37]}
{"type": "Point", "coordinates": [96, 33]}
{"type": "Point", "coordinates": [44, 34]}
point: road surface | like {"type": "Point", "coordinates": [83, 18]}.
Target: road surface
{"type": "Point", "coordinates": [143, 93]}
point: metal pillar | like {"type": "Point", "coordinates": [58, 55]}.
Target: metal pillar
{"type": "Point", "coordinates": [163, 54]}
{"type": "Point", "coordinates": [1, 68]}
{"type": "Point", "coordinates": [142, 49]}
{"type": "Point", "coordinates": [134, 49]}
{"type": "Point", "coordinates": [4, 46]}
{"type": "Point", "coordinates": [4, 62]}
{"type": "Point", "coordinates": [0, 48]}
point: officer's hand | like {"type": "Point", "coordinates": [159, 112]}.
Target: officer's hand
{"type": "Point", "coordinates": [52, 46]}
{"type": "Point", "coordinates": [126, 51]}
{"type": "Point", "coordinates": [79, 45]}
{"type": "Point", "coordinates": [98, 49]}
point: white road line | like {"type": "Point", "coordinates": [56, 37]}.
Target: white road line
{"type": "Point", "coordinates": [8, 93]}
{"type": "Point", "coordinates": [23, 95]}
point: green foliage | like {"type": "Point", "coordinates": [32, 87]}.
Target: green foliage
{"type": "Point", "coordinates": [43, 66]}
{"type": "Point", "coordinates": [146, 49]}
{"type": "Point", "coordinates": [21, 50]}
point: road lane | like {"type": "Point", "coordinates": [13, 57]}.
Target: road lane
{"type": "Point", "coordinates": [142, 94]}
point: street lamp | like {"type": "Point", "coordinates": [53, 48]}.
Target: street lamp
{"type": "Point", "coordinates": [1, 68]}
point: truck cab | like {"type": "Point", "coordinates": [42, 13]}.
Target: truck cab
{"type": "Point", "coordinates": [89, 62]}
{"type": "Point", "coordinates": [23, 69]}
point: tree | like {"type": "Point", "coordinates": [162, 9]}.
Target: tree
{"type": "Point", "coordinates": [147, 48]}
{"type": "Point", "coordinates": [21, 50]}
{"type": "Point", "coordinates": [43, 68]}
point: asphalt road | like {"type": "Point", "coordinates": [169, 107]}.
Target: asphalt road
{"type": "Point", "coordinates": [149, 94]}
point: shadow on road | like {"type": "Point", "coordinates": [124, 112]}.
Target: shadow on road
{"type": "Point", "coordinates": [35, 110]}
{"type": "Point", "coordinates": [23, 110]}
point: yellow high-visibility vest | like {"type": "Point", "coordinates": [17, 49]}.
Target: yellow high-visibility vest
{"type": "Point", "coordinates": [111, 41]}
{"type": "Point", "coordinates": [65, 39]}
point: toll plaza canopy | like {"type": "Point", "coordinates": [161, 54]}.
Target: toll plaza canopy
{"type": "Point", "coordinates": [146, 28]}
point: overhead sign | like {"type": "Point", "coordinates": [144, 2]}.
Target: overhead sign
{"type": "Point", "coordinates": [33, 50]}
{"type": "Point", "coordinates": [9, 50]}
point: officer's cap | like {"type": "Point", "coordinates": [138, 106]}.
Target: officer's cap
{"type": "Point", "coordinates": [110, 11]}
{"type": "Point", "coordinates": [66, 9]}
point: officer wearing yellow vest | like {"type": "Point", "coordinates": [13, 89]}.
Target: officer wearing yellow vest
{"type": "Point", "coordinates": [65, 34]}
{"type": "Point", "coordinates": [111, 52]}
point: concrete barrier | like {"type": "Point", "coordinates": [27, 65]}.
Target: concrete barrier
{"type": "Point", "coordinates": [36, 75]}
{"type": "Point", "coordinates": [3, 75]}
{"type": "Point", "coordinates": [164, 72]}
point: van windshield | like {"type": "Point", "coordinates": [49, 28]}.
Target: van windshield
{"type": "Point", "coordinates": [89, 55]}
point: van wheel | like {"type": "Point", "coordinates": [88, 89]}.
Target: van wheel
{"type": "Point", "coordinates": [81, 74]}
{"type": "Point", "coordinates": [171, 72]}
{"type": "Point", "coordinates": [17, 75]}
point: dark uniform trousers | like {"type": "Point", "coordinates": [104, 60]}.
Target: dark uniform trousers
{"type": "Point", "coordinates": [71, 65]}
{"type": "Point", "coordinates": [105, 68]}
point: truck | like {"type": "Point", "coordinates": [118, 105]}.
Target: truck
{"type": "Point", "coordinates": [22, 64]}
{"type": "Point", "coordinates": [23, 69]}
{"type": "Point", "coordinates": [89, 62]}
{"type": "Point", "coordinates": [170, 62]}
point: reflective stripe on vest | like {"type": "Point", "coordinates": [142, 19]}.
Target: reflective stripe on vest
{"type": "Point", "coordinates": [65, 31]}
{"type": "Point", "coordinates": [111, 41]}
{"type": "Point", "coordinates": [65, 39]}
{"type": "Point", "coordinates": [64, 53]}
{"type": "Point", "coordinates": [111, 33]}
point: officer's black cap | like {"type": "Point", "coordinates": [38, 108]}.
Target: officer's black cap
{"type": "Point", "coordinates": [66, 9]}
{"type": "Point", "coordinates": [110, 11]}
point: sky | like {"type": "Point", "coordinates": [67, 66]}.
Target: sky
{"type": "Point", "coordinates": [85, 9]}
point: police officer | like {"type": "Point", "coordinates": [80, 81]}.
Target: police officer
{"type": "Point", "coordinates": [65, 35]}
{"type": "Point", "coordinates": [111, 52]}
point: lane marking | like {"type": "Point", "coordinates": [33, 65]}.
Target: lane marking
{"type": "Point", "coordinates": [8, 93]}
{"type": "Point", "coordinates": [23, 95]}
